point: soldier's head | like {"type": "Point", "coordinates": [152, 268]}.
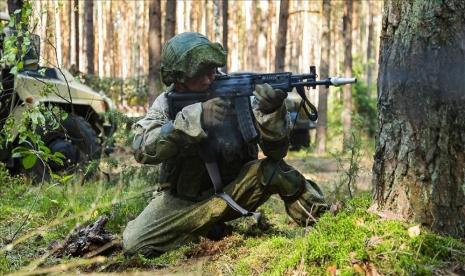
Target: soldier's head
{"type": "Point", "coordinates": [189, 60]}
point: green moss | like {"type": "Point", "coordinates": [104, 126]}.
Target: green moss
{"type": "Point", "coordinates": [354, 236]}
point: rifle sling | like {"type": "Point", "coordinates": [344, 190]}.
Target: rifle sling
{"type": "Point", "coordinates": [307, 104]}
{"type": "Point", "coordinates": [214, 174]}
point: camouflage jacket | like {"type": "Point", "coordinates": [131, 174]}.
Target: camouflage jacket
{"type": "Point", "coordinates": [176, 144]}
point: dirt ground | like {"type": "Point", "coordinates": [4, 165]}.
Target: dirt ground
{"type": "Point", "coordinates": [329, 172]}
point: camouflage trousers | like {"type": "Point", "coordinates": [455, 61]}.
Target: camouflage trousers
{"type": "Point", "coordinates": [169, 221]}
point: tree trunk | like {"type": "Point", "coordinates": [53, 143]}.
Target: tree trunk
{"type": "Point", "coordinates": [70, 15]}
{"type": "Point", "coordinates": [216, 17]}
{"type": "Point", "coordinates": [101, 31]}
{"type": "Point", "coordinates": [282, 33]}
{"type": "Point", "coordinates": [420, 153]}
{"type": "Point", "coordinates": [89, 29]}
{"type": "Point", "coordinates": [58, 47]}
{"type": "Point", "coordinates": [154, 48]}
{"type": "Point", "coordinates": [225, 13]}
{"type": "Point", "coordinates": [76, 32]}
{"type": "Point", "coordinates": [109, 62]}
{"type": "Point", "coordinates": [43, 30]}
{"type": "Point", "coordinates": [170, 20]}
{"type": "Point", "coordinates": [369, 67]}
{"type": "Point", "coordinates": [321, 125]}
{"type": "Point", "coordinates": [347, 89]}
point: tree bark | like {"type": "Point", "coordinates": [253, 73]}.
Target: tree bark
{"type": "Point", "coordinates": [420, 153]}
{"type": "Point", "coordinates": [321, 125]}
{"type": "Point", "coordinates": [369, 67]}
{"type": "Point", "coordinates": [170, 20]}
{"type": "Point", "coordinates": [70, 18]}
{"type": "Point", "coordinates": [90, 41]}
{"type": "Point", "coordinates": [101, 31]}
{"type": "Point", "coordinates": [154, 48]}
{"type": "Point", "coordinates": [76, 32]}
{"type": "Point", "coordinates": [58, 45]}
{"type": "Point", "coordinates": [347, 89]}
{"type": "Point", "coordinates": [225, 13]}
{"type": "Point", "coordinates": [109, 62]}
{"type": "Point", "coordinates": [282, 33]}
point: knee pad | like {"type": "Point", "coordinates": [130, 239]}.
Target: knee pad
{"type": "Point", "coordinates": [281, 179]}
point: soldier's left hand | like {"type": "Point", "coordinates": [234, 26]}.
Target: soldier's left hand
{"type": "Point", "coordinates": [268, 99]}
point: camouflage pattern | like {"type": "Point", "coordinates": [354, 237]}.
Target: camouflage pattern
{"type": "Point", "coordinates": [185, 208]}
{"type": "Point", "coordinates": [189, 53]}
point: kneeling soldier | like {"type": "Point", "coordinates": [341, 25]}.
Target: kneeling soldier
{"type": "Point", "coordinates": [187, 206]}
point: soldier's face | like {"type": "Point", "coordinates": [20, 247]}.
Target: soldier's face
{"type": "Point", "coordinates": [202, 81]}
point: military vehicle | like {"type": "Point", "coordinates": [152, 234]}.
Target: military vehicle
{"type": "Point", "coordinates": [85, 132]}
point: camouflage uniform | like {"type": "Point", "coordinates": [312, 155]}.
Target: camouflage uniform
{"type": "Point", "coordinates": [186, 207]}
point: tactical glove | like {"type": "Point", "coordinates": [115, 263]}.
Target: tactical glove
{"type": "Point", "coordinates": [213, 113]}
{"type": "Point", "coordinates": [268, 99]}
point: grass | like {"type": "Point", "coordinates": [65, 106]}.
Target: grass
{"type": "Point", "coordinates": [352, 242]}
{"type": "Point", "coordinates": [34, 216]}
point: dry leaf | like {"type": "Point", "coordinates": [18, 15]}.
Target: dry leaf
{"type": "Point", "coordinates": [366, 268]}
{"type": "Point", "coordinates": [374, 241]}
{"type": "Point", "coordinates": [359, 269]}
{"type": "Point", "coordinates": [331, 270]}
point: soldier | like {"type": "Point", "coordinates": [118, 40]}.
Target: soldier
{"type": "Point", "coordinates": [186, 207]}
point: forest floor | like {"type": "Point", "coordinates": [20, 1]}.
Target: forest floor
{"type": "Point", "coordinates": [36, 219]}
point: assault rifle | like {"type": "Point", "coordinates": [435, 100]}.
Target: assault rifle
{"type": "Point", "coordinates": [239, 88]}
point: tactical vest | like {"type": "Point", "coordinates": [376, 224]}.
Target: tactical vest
{"type": "Point", "coordinates": [186, 172]}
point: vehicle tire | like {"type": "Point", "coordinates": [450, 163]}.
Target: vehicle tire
{"type": "Point", "coordinates": [299, 138]}
{"type": "Point", "coordinates": [76, 140]}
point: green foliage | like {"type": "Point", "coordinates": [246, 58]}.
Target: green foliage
{"type": "Point", "coordinates": [349, 175]}
{"type": "Point", "coordinates": [18, 40]}
{"type": "Point", "coordinates": [134, 90]}
{"type": "Point", "coordinates": [364, 102]}
{"type": "Point", "coordinates": [31, 147]}
{"type": "Point", "coordinates": [364, 110]}
{"type": "Point", "coordinates": [33, 217]}
{"type": "Point", "coordinates": [123, 134]}
{"type": "Point", "coordinates": [334, 114]}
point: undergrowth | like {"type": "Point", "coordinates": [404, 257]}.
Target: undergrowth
{"type": "Point", "coordinates": [352, 242]}
{"type": "Point", "coordinates": [33, 217]}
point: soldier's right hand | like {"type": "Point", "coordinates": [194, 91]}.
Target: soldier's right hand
{"type": "Point", "coordinates": [213, 113]}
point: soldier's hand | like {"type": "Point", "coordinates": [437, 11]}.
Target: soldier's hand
{"type": "Point", "coordinates": [268, 99]}
{"type": "Point", "coordinates": [213, 113]}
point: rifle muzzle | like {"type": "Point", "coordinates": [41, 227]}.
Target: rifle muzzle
{"type": "Point", "coordinates": [337, 81]}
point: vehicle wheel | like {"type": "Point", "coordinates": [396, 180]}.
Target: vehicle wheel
{"type": "Point", "coordinates": [80, 144]}
{"type": "Point", "coordinates": [299, 138]}
{"type": "Point", "coordinates": [76, 140]}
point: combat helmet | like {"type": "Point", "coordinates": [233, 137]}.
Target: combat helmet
{"type": "Point", "coordinates": [187, 54]}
